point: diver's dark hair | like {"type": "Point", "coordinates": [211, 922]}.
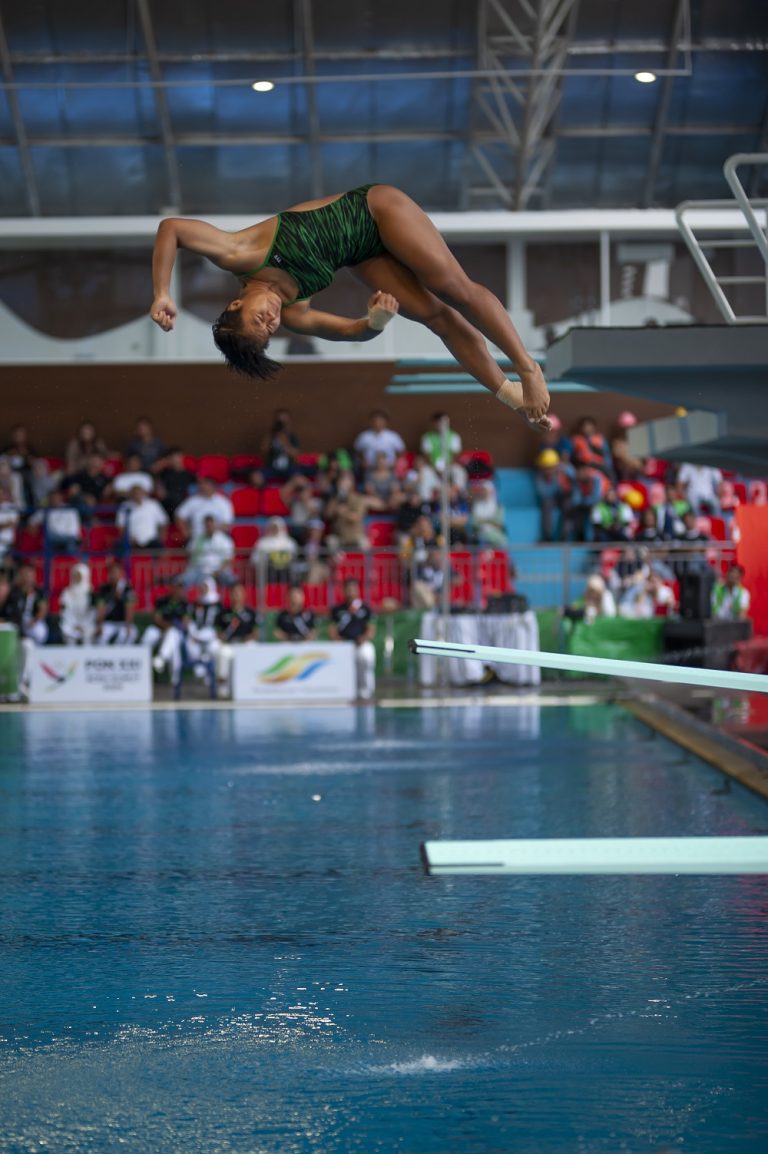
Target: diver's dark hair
{"type": "Point", "coordinates": [243, 355]}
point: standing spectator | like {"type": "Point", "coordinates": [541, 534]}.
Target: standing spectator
{"type": "Point", "coordinates": [21, 459]}
{"type": "Point", "coordinates": [12, 481]}
{"type": "Point", "coordinates": [554, 482]}
{"type": "Point", "coordinates": [347, 512]}
{"type": "Point", "coordinates": [378, 438]}
{"type": "Point", "coordinates": [591, 448]}
{"type": "Point", "coordinates": [132, 475]}
{"type": "Point", "coordinates": [115, 605]}
{"type": "Point", "coordinates": [77, 616]}
{"type": "Point", "coordinates": [85, 443]}
{"type": "Point", "coordinates": [173, 480]}
{"type": "Point", "coordinates": [27, 608]}
{"type": "Point", "coordinates": [145, 445]}
{"type": "Point", "coordinates": [352, 621]}
{"type": "Point", "coordinates": [730, 600]}
{"type": "Point", "coordinates": [273, 554]}
{"type": "Point", "coordinates": [702, 486]}
{"type": "Point", "coordinates": [440, 449]}
{"type": "Point", "coordinates": [281, 449]}
{"type": "Point", "coordinates": [89, 487]}
{"type": "Point", "coordinates": [210, 555]}
{"type": "Point", "coordinates": [9, 520]}
{"type": "Point", "coordinates": [295, 622]}
{"type": "Point", "coordinates": [61, 524]}
{"type": "Point", "coordinates": [234, 626]}
{"type": "Point", "coordinates": [143, 519]}
{"type": "Point", "coordinates": [206, 502]}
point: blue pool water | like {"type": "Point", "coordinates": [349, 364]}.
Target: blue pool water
{"type": "Point", "coordinates": [215, 935]}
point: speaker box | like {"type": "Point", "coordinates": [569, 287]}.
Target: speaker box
{"type": "Point", "coordinates": [696, 595]}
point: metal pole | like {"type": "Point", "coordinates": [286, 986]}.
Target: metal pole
{"type": "Point", "coordinates": [445, 524]}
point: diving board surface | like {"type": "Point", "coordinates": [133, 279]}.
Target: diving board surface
{"type": "Point", "coordinates": [611, 855]}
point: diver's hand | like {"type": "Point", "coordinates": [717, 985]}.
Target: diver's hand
{"type": "Point", "coordinates": [381, 308]}
{"type": "Point", "coordinates": [163, 313]}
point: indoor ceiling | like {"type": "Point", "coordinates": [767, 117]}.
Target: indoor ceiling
{"type": "Point", "coordinates": [137, 106]}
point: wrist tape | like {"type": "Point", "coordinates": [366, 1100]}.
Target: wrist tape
{"type": "Point", "coordinates": [378, 318]}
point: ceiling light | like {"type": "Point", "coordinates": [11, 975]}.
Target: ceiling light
{"type": "Point", "coordinates": [645, 77]}
{"type": "Point", "coordinates": [267, 85]}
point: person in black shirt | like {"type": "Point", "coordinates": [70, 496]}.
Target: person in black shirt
{"type": "Point", "coordinates": [295, 622]}
{"type": "Point", "coordinates": [145, 445]}
{"type": "Point", "coordinates": [89, 487]}
{"type": "Point", "coordinates": [352, 621]}
{"type": "Point", "coordinates": [236, 625]}
{"type": "Point", "coordinates": [169, 620]}
{"type": "Point", "coordinates": [281, 448]}
{"type": "Point", "coordinates": [174, 481]}
{"type": "Point", "coordinates": [114, 602]}
{"type": "Point", "coordinates": [27, 608]}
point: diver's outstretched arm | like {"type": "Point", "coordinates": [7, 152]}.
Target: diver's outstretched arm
{"type": "Point", "coordinates": [175, 233]}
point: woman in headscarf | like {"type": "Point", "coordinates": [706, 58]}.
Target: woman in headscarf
{"type": "Point", "coordinates": [76, 612]}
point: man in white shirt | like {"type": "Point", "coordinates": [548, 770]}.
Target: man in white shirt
{"type": "Point", "coordinates": [133, 474]}
{"type": "Point", "coordinates": [206, 502]}
{"type": "Point", "coordinates": [730, 600]}
{"type": "Point", "coordinates": [210, 555]}
{"type": "Point", "coordinates": [378, 438]}
{"type": "Point", "coordinates": [143, 518]}
{"type": "Point", "coordinates": [702, 486]}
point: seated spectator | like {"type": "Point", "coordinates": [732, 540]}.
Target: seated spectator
{"type": "Point", "coordinates": [416, 545]}
{"type": "Point", "coordinates": [206, 502]}
{"type": "Point", "coordinates": [173, 480]}
{"type": "Point", "coordinates": [598, 602]}
{"type": "Point", "coordinates": [691, 543]}
{"type": "Point", "coordinates": [689, 530]}
{"type": "Point", "coordinates": [61, 523]}
{"type": "Point", "coordinates": [236, 625]}
{"type": "Point", "coordinates": [440, 449]}
{"type": "Point", "coordinates": [647, 597]}
{"type": "Point", "coordinates": [83, 445]}
{"type": "Point", "coordinates": [347, 512]}
{"type": "Point", "coordinates": [314, 556]}
{"type": "Point", "coordinates": [145, 446]}
{"type": "Point", "coordinates": [588, 489]}
{"type": "Point", "coordinates": [143, 519]}
{"type": "Point", "coordinates": [702, 485]}
{"type": "Point", "coordinates": [352, 621]}
{"type": "Point", "coordinates": [377, 438]}
{"type": "Point", "coordinates": [555, 438]}
{"type": "Point", "coordinates": [26, 607]}
{"type": "Point", "coordinates": [133, 474]}
{"type": "Point", "coordinates": [210, 555]}
{"type": "Point", "coordinates": [428, 580]}
{"type": "Point", "coordinates": [330, 468]}
{"type": "Point", "coordinates": [163, 635]}
{"type": "Point", "coordinates": [77, 616]}
{"type": "Point", "coordinates": [730, 600]}
{"type": "Point", "coordinates": [590, 448]}
{"type": "Point", "coordinates": [9, 521]}
{"type": "Point", "coordinates": [198, 644]}
{"type": "Point", "coordinates": [425, 478]}
{"type": "Point", "coordinates": [295, 622]}
{"type": "Point", "coordinates": [281, 449]}
{"type": "Point", "coordinates": [486, 522]}
{"type": "Point", "coordinates": [412, 506]}
{"type": "Point", "coordinates": [115, 606]}
{"type": "Point", "coordinates": [670, 514]}
{"type": "Point", "coordinates": [274, 552]}
{"type": "Point", "coordinates": [458, 516]}
{"type": "Point", "coordinates": [626, 467]}
{"type": "Point", "coordinates": [5, 592]}
{"type": "Point", "coordinates": [380, 482]}
{"type": "Point", "coordinates": [89, 487]}
{"type": "Point", "coordinates": [302, 504]}
{"type": "Point", "coordinates": [554, 482]}
{"type": "Point", "coordinates": [648, 528]}
{"type": "Point", "coordinates": [42, 482]}
{"type": "Point", "coordinates": [13, 482]}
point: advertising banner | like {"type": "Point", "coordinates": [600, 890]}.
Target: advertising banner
{"type": "Point", "coordinates": [287, 671]}
{"type": "Point", "coordinates": [93, 674]}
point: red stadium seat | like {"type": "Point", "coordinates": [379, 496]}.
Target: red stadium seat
{"type": "Point", "coordinates": [758, 492]}
{"type": "Point", "coordinates": [29, 540]}
{"type": "Point", "coordinates": [494, 573]}
{"type": "Point", "coordinates": [478, 463]}
{"type": "Point", "coordinates": [740, 489]}
{"type": "Point", "coordinates": [316, 598]}
{"type": "Point", "coordinates": [381, 534]}
{"type": "Point", "coordinates": [242, 464]}
{"type": "Point", "coordinates": [385, 579]}
{"type": "Point", "coordinates": [190, 463]}
{"type": "Point", "coordinates": [462, 590]}
{"type": "Point", "coordinates": [55, 464]}
{"type": "Point", "coordinates": [174, 538]}
{"type": "Point", "coordinates": [246, 502]}
{"type": "Point", "coordinates": [272, 504]}
{"type": "Point", "coordinates": [215, 466]}
{"type": "Point", "coordinates": [244, 536]}
{"type": "Point", "coordinates": [102, 538]}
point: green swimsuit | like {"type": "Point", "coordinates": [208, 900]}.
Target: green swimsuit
{"type": "Point", "coordinates": [312, 245]}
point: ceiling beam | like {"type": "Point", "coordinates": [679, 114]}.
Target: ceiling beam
{"type": "Point", "coordinates": [161, 105]}
{"type": "Point", "coordinates": [662, 106]}
{"type": "Point", "coordinates": [21, 142]}
{"type": "Point", "coordinates": [304, 33]}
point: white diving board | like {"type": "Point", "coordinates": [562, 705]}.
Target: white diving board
{"type": "Point", "coordinates": [644, 670]}
{"type": "Point", "coordinates": [610, 855]}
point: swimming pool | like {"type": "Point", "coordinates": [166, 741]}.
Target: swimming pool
{"type": "Point", "coordinates": [216, 935]}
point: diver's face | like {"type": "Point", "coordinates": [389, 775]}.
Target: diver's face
{"type": "Point", "coordinates": [260, 311]}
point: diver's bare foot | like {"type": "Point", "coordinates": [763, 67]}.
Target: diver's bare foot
{"type": "Point", "coordinates": [535, 395]}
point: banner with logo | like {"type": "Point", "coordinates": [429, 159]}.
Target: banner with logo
{"type": "Point", "coordinates": [288, 671]}
{"type": "Point", "coordinates": [92, 674]}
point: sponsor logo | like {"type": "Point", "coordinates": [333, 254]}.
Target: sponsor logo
{"type": "Point", "coordinates": [294, 667]}
{"type": "Point", "coordinates": [57, 673]}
